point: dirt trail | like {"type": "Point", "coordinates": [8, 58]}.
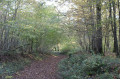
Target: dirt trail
{"type": "Point", "coordinates": [45, 69]}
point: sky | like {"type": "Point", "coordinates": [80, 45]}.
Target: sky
{"type": "Point", "coordinates": [57, 3]}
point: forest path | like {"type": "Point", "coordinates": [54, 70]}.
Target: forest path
{"type": "Point", "coordinates": [45, 69]}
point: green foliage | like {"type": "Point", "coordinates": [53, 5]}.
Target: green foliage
{"type": "Point", "coordinates": [70, 47]}
{"type": "Point", "coordinates": [11, 67]}
{"type": "Point", "coordinates": [70, 68]}
{"type": "Point", "coordinates": [35, 24]}
{"type": "Point", "coordinates": [93, 64]}
{"type": "Point", "coordinates": [67, 48]}
{"type": "Point", "coordinates": [105, 76]}
{"type": "Point", "coordinates": [8, 77]}
{"type": "Point", "coordinates": [89, 66]}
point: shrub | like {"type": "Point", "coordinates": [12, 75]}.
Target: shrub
{"type": "Point", "coordinates": [89, 67]}
{"type": "Point", "coordinates": [105, 76]}
{"type": "Point", "coordinates": [9, 68]}
{"type": "Point", "coordinates": [70, 68]}
{"type": "Point", "coordinates": [93, 65]}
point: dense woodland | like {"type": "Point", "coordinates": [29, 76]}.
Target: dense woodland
{"type": "Point", "coordinates": [90, 28]}
{"type": "Point", "coordinates": [98, 22]}
{"type": "Point", "coordinates": [27, 27]}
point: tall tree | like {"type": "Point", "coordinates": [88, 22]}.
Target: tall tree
{"type": "Point", "coordinates": [119, 22]}
{"type": "Point", "coordinates": [115, 29]}
{"type": "Point", "coordinates": [99, 27]}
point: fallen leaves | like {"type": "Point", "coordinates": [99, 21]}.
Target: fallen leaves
{"type": "Point", "coordinates": [45, 69]}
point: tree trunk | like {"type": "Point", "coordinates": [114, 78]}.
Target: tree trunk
{"type": "Point", "coordinates": [99, 28]}
{"type": "Point", "coordinates": [92, 21]}
{"type": "Point", "coordinates": [115, 30]}
{"type": "Point", "coordinates": [119, 23]}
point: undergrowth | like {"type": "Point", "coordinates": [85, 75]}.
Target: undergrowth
{"type": "Point", "coordinates": [8, 68]}
{"type": "Point", "coordinates": [86, 66]}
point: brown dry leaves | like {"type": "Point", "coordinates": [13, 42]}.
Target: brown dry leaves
{"type": "Point", "coordinates": [45, 69]}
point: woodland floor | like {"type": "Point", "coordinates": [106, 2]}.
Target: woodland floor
{"type": "Point", "coordinates": [45, 69]}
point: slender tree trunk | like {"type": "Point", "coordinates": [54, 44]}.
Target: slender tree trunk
{"type": "Point", "coordinates": [17, 5]}
{"type": "Point", "coordinates": [110, 15]}
{"type": "Point", "coordinates": [99, 28]}
{"type": "Point", "coordinates": [115, 30]}
{"type": "Point", "coordinates": [107, 46]}
{"type": "Point", "coordinates": [119, 23]}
